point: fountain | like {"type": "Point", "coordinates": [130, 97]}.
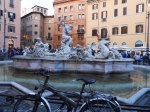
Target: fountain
{"type": "Point", "coordinates": [69, 59]}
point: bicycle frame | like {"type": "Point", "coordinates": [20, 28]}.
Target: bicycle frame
{"type": "Point", "coordinates": [61, 94]}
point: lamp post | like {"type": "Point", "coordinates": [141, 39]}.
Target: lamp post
{"type": "Point", "coordinates": [4, 27]}
{"type": "Point", "coordinates": [147, 47]}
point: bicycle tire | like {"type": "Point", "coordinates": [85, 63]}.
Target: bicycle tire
{"type": "Point", "coordinates": [28, 102]}
{"type": "Point", "coordinates": [100, 105]}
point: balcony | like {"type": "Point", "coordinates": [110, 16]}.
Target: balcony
{"type": "Point", "coordinates": [0, 2]}
{"type": "Point", "coordinates": [80, 31]}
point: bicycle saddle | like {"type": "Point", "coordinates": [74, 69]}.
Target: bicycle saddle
{"type": "Point", "coordinates": [87, 80]}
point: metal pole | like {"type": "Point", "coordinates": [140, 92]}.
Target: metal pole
{"type": "Point", "coordinates": [4, 25]}
{"type": "Point", "coordinates": [147, 49]}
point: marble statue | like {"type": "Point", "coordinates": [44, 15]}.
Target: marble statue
{"type": "Point", "coordinates": [40, 49]}
{"type": "Point", "coordinates": [104, 49]}
{"type": "Point", "coordinates": [66, 43]}
{"type": "Point", "coordinates": [26, 51]}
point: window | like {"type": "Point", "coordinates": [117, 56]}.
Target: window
{"type": "Point", "coordinates": [104, 4]}
{"type": "Point", "coordinates": [35, 32]}
{"type": "Point", "coordinates": [104, 14]}
{"type": "Point", "coordinates": [148, 1]}
{"type": "Point", "coordinates": [124, 44]}
{"type": "Point", "coordinates": [95, 6]}
{"type": "Point", "coordinates": [83, 16]}
{"type": "Point", "coordinates": [124, 1]}
{"type": "Point", "coordinates": [115, 2]}
{"type": "Point", "coordinates": [65, 17]}
{"type": "Point", "coordinates": [104, 33]}
{"type": "Point", "coordinates": [115, 12]}
{"type": "Point", "coordinates": [124, 30]}
{"type": "Point", "coordinates": [79, 16]}
{"type": "Point", "coordinates": [35, 25]}
{"type": "Point", "coordinates": [139, 8]}
{"type": "Point", "coordinates": [80, 29]}
{"type": "Point", "coordinates": [83, 6]}
{"type": "Point", "coordinates": [71, 8]}
{"type": "Point", "coordinates": [71, 17]}
{"type": "Point", "coordinates": [115, 31]}
{"type": "Point", "coordinates": [49, 36]}
{"type": "Point", "coordinates": [37, 9]}
{"type": "Point", "coordinates": [125, 11]}
{"type": "Point", "coordinates": [11, 29]}
{"type": "Point", "coordinates": [79, 6]}
{"type": "Point", "coordinates": [49, 28]}
{"type": "Point", "coordinates": [36, 17]}
{"type": "Point", "coordinates": [44, 11]}
{"type": "Point", "coordinates": [49, 21]}
{"type": "Point", "coordinates": [58, 37]}
{"type": "Point", "coordinates": [11, 16]}
{"type": "Point", "coordinates": [80, 36]}
{"type": "Point", "coordinates": [59, 18]}
{"type": "Point", "coordinates": [94, 32]}
{"type": "Point", "coordinates": [1, 13]}
{"type": "Point", "coordinates": [11, 3]}
{"type": "Point", "coordinates": [139, 28]}
{"type": "Point", "coordinates": [65, 9]}
{"type": "Point", "coordinates": [0, 27]}
{"type": "Point", "coordinates": [59, 10]}
{"type": "Point", "coordinates": [138, 43]}
{"type": "Point", "coordinates": [94, 16]}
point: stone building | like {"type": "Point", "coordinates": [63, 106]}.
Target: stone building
{"type": "Point", "coordinates": [10, 23]}
{"type": "Point", "coordinates": [74, 13]}
{"type": "Point", "coordinates": [124, 22]}
{"type": "Point", "coordinates": [37, 24]}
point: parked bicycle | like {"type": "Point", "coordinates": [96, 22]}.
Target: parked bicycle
{"type": "Point", "coordinates": [86, 102]}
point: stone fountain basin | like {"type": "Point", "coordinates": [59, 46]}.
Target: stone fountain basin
{"type": "Point", "coordinates": [62, 64]}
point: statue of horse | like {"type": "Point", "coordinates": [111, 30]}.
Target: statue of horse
{"type": "Point", "coordinates": [104, 49]}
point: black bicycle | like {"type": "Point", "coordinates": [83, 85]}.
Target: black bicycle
{"type": "Point", "coordinates": [85, 101]}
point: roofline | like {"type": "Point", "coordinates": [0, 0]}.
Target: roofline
{"type": "Point", "coordinates": [38, 6]}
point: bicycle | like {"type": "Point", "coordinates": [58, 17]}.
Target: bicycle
{"type": "Point", "coordinates": [86, 102]}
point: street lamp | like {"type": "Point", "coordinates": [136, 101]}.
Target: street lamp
{"type": "Point", "coordinates": [147, 48]}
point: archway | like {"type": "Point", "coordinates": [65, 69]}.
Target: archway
{"type": "Point", "coordinates": [138, 43]}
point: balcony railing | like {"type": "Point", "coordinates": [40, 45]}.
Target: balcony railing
{"type": "Point", "coordinates": [0, 1]}
{"type": "Point", "coordinates": [80, 31]}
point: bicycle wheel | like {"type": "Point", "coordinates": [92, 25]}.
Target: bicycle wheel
{"type": "Point", "coordinates": [29, 103]}
{"type": "Point", "coordinates": [99, 105]}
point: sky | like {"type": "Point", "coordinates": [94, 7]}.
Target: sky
{"type": "Point", "coordinates": [28, 4]}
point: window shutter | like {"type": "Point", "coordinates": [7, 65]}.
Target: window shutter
{"type": "Point", "coordinates": [14, 15]}
{"type": "Point", "coordinates": [93, 16]}
{"type": "Point", "coordinates": [14, 29]}
{"type": "Point", "coordinates": [141, 28]}
{"type": "Point", "coordinates": [136, 8]}
{"type": "Point", "coordinates": [93, 7]}
{"type": "Point", "coordinates": [106, 14]}
{"type": "Point", "coordinates": [142, 7]}
{"type": "Point", "coordinates": [136, 28]}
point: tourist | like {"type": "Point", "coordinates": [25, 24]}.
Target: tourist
{"type": "Point", "coordinates": [145, 59]}
{"type": "Point", "coordinates": [137, 58]}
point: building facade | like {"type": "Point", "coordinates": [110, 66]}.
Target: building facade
{"type": "Point", "coordinates": [73, 11]}
{"type": "Point", "coordinates": [124, 22]}
{"type": "Point", "coordinates": [37, 24]}
{"type": "Point", "coordinates": [10, 23]}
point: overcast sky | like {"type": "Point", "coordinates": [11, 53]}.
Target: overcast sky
{"type": "Point", "coordinates": [28, 4]}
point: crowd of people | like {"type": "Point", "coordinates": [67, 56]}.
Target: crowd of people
{"type": "Point", "coordinates": [139, 57]}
